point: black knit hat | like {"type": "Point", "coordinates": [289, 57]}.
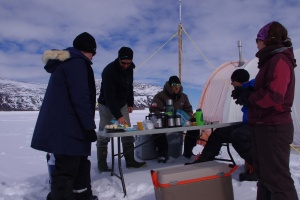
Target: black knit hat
{"type": "Point", "coordinates": [125, 53]}
{"type": "Point", "coordinates": [85, 42]}
{"type": "Point", "coordinates": [174, 79]}
{"type": "Point", "coordinates": [240, 75]}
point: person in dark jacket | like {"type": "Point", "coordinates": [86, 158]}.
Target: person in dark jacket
{"type": "Point", "coordinates": [269, 112]}
{"type": "Point", "coordinates": [65, 125]}
{"type": "Point", "coordinates": [172, 90]}
{"type": "Point", "coordinates": [116, 102]}
{"type": "Point", "coordinates": [238, 135]}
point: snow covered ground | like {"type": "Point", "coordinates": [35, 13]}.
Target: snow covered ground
{"type": "Point", "coordinates": [24, 173]}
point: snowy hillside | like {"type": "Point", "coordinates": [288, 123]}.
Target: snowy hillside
{"type": "Point", "coordinates": [23, 96]}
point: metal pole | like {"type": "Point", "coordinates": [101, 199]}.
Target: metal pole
{"type": "Point", "coordinates": [179, 42]}
{"type": "Point", "coordinates": [179, 49]}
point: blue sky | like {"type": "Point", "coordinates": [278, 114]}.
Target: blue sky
{"type": "Point", "coordinates": [30, 27]}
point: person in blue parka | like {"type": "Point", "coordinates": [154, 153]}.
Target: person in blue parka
{"type": "Point", "coordinates": [65, 125]}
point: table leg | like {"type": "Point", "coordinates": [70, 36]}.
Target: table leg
{"type": "Point", "coordinates": [112, 156]}
{"type": "Point", "coordinates": [120, 167]}
{"type": "Point", "coordinates": [120, 155]}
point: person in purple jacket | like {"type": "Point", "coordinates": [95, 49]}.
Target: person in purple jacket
{"type": "Point", "coordinates": [269, 112]}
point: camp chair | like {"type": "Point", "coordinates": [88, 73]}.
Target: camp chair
{"type": "Point", "coordinates": [230, 159]}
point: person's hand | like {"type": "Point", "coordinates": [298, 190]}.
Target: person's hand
{"type": "Point", "coordinates": [91, 135]}
{"type": "Point", "coordinates": [130, 109]}
{"type": "Point", "coordinates": [243, 99]}
{"type": "Point", "coordinates": [237, 92]}
{"type": "Point", "coordinates": [122, 120]}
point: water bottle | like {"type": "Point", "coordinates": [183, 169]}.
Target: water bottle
{"type": "Point", "coordinates": [199, 117]}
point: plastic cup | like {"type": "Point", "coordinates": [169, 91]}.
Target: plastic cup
{"type": "Point", "coordinates": [140, 126]}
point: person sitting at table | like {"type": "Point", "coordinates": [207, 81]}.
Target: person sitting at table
{"type": "Point", "coordinates": [238, 135]}
{"type": "Point", "coordinates": [172, 90]}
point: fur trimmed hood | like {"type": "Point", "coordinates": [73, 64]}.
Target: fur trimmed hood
{"type": "Point", "coordinates": [53, 58]}
{"type": "Point", "coordinates": [60, 55]}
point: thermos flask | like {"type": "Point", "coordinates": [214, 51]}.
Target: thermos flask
{"type": "Point", "coordinates": [199, 117]}
{"type": "Point", "coordinates": [171, 122]}
{"type": "Point", "coordinates": [163, 119]}
{"type": "Point", "coordinates": [177, 120]}
{"type": "Point", "coordinates": [169, 107]}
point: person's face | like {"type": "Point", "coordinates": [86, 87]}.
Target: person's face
{"type": "Point", "coordinates": [236, 83]}
{"type": "Point", "coordinates": [88, 55]}
{"type": "Point", "coordinates": [260, 44]}
{"type": "Point", "coordinates": [125, 63]}
{"type": "Point", "coordinates": [176, 87]}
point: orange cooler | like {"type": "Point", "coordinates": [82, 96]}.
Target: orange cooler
{"type": "Point", "coordinates": [209, 180]}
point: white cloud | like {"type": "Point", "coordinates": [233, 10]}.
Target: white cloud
{"type": "Point", "coordinates": [32, 26]}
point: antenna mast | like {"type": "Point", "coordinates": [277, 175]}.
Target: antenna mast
{"type": "Point", "coordinates": [179, 41]}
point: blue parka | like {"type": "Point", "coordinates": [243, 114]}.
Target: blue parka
{"type": "Point", "coordinates": [68, 108]}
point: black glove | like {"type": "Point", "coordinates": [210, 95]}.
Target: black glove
{"type": "Point", "coordinates": [243, 99]}
{"type": "Point", "coordinates": [237, 92]}
{"type": "Point", "coordinates": [91, 135]}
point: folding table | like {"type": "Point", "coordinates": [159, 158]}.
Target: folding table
{"type": "Point", "coordinates": [118, 135]}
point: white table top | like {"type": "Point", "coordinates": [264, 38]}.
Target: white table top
{"type": "Point", "coordinates": [165, 130]}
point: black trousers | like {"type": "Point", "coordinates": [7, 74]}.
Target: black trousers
{"type": "Point", "coordinates": [190, 142]}
{"type": "Point", "coordinates": [238, 135]}
{"type": "Point", "coordinates": [71, 178]}
{"type": "Point", "coordinates": [271, 151]}
{"type": "Point", "coordinates": [161, 144]}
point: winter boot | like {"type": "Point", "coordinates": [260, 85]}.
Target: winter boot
{"type": "Point", "coordinates": [101, 156]}
{"type": "Point", "coordinates": [200, 159]}
{"type": "Point", "coordinates": [162, 159]}
{"type": "Point", "coordinates": [86, 195]}
{"type": "Point", "coordinates": [49, 196]}
{"type": "Point", "coordinates": [128, 150]}
{"type": "Point", "coordinates": [162, 156]}
{"type": "Point", "coordinates": [249, 175]}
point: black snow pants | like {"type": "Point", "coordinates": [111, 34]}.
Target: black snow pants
{"type": "Point", "coordinates": [71, 178]}
{"type": "Point", "coordinates": [238, 135]}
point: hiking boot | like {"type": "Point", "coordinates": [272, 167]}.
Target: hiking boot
{"type": "Point", "coordinates": [162, 159]}
{"type": "Point", "coordinates": [128, 149]}
{"type": "Point", "coordinates": [249, 175]}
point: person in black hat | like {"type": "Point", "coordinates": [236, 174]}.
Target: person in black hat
{"type": "Point", "coordinates": [172, 90]}
{"type": "Point", "coordinates": [116, 102]}
{"type": "Point", "coordinates": [65, 126]}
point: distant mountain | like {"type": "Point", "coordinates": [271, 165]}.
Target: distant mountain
{"type": "Point", "coordinates": [23, 96]}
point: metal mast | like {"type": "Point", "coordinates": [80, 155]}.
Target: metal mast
{"type": "Point", "coordinates": [179, 41]}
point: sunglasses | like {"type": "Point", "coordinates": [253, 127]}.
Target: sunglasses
{"type": "Point", "coordinates": [176, 84]}
{"type": "Point", "coordinates": [125, 63]}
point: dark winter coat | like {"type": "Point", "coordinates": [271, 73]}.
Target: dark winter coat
{"type": "Point", "coordinates": [273, 95]}
{"type": "Point", "coordinates": [68, 107]}
{"type": "Point", "coordinates": [116, 87]}
{"type": "Point", "coordinates": [180, 100]}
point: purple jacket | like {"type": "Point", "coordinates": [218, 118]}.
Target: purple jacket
{"type": "Point", "coordinates": [273, 95]}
